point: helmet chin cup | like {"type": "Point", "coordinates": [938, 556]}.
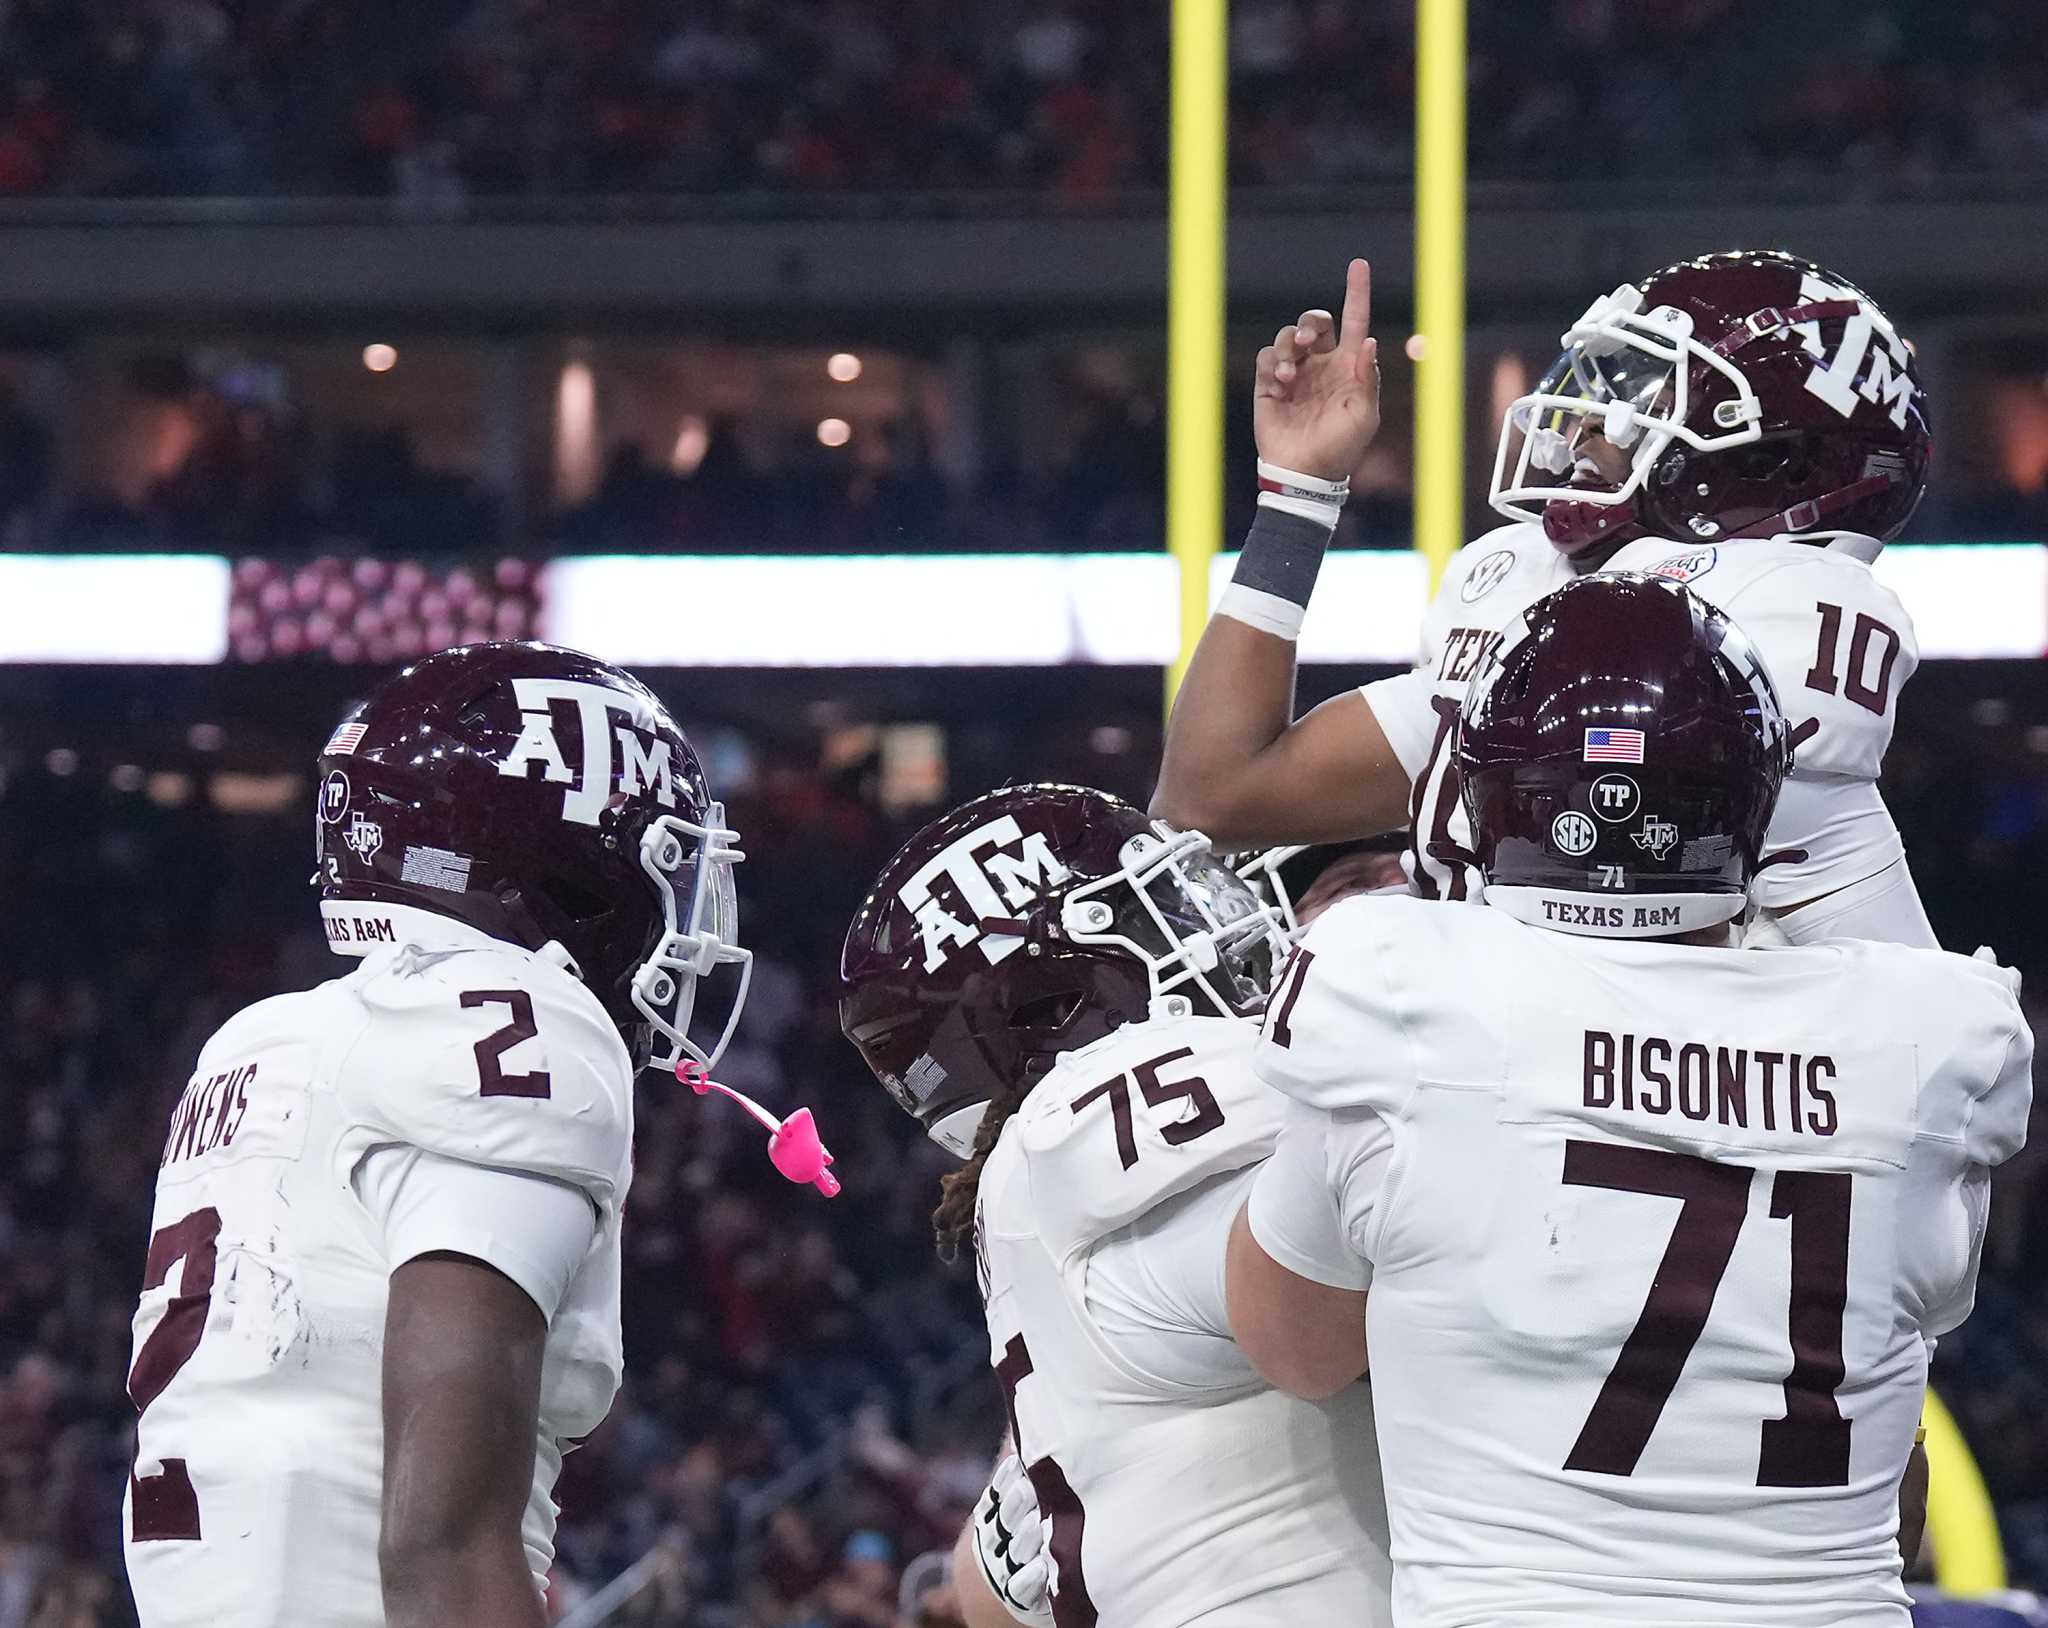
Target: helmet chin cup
{"type": "Point", "coordinates": [699, 933]}
{"type": "Point", "coordinates": [1573, 526]}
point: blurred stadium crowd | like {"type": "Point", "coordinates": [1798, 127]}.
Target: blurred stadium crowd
{"type": "Point", "coordinates": [270, 476]}
{"type": "Point", "coordinates": [259, 479]}
{"type": "Point", "coordinates": [806, 1410]}
{"type": "Point", "coordinates": [443, 103]}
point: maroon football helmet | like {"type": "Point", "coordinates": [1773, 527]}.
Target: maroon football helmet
{"type": "Point", "coordinates": [1750, 394]}
{"type": "Point", "coordinates": [1621, 761]}
{"type": "Point", "coordinates": [1028, 922]}
{"type": "Point", "coordinates": [542, 797]}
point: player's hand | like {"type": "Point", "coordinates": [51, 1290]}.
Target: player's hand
{"type": "Point", "coordinates": [1316, 402]}
{"type": "Point", "coordinates": [1009, 1540]}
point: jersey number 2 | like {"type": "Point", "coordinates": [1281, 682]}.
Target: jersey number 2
{"type": "Point", "coordinates": [490, 1069]}
{"type": "Point", "coordinates": [164, 1505]}
{"type": "Point", "coordinates": [1809, 1446]}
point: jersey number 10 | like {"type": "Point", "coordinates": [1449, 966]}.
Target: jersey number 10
{"type": "Point", "coordinates": [1809, 1446]}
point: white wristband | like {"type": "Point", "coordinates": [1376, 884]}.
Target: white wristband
{"type": "Point", "coordinates": [1308, 496]}
{"type": "Point", "coordinates": [1269, 613]}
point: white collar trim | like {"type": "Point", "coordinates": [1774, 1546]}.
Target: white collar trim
{"type": "Point", "coordinates": [359, 927]}
{"type": "Point", "coordinates": [1857, 545]}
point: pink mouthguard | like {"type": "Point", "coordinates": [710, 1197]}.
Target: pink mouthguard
{"type": "Point", "coordinates": [793, 1144]}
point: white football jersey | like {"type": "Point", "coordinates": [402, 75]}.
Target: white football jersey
{"type": "Point", "coordinates": [1837, 643]}
{"type": "Point", "coordinates": [259, 1337]}
{"type": "Point", "coordinates": [1179, 1488]}
{"type": "Point", "coordinates": [1658, 1238]}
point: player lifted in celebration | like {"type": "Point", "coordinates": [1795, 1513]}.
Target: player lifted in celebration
{"type": "Point", "coordinates": [1647, 1235]}
{"type": "Point", "coordinates": [382, 1293]}
{"type": "Point", "coordinates": [1060, 991]}
{"type": "Point", "coordinates": [1749, 424]}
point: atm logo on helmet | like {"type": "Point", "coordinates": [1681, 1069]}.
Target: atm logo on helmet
{"type": "Point", "coordinates": [613, 753]}
{"type": "Point", "coordinates": [993, 886]}
{"type": "Point", "coordinates": [1888, 385]}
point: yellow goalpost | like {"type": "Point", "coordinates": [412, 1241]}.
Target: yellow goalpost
{"type": "Point", "coordinates": [1439, 282]}
{"type": "Point", "coordinates": [1197, 219]}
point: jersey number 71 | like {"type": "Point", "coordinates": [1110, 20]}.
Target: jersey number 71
{"type": "Point", "coordinates": [1809, 1446]}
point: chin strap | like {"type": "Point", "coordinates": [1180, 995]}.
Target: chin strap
{"type": "Point", "coordinates": [1804, 517]}
{"type": "Point", "coordinates": [1774, 319]}
{"type": "Point", "coordinates": [793, 1144]}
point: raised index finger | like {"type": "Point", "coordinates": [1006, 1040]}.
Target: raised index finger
{"type": "Point", "coordinates": [1357, 320]}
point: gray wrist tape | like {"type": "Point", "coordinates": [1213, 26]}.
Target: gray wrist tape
{"type": "Point", "coordinates": [1282, 555]}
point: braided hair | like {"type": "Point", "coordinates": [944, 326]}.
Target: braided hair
{"type": "Point", "coordinates": [953, 1220]}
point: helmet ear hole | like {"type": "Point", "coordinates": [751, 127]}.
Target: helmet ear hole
{"type": "Point", "coordinates": [1767, 460]}
{"type": "Point", "coordinates": [575, 901]}
{"type": "Point", "coordinates": [1051, 1012]}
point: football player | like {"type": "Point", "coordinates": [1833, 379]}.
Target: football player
{"type": "Point", "coordinates": [1059, 991]}
{"type": "Point", "coordinates": [1749, 424]}
{"type": "Point", "coordinates": [1648, 1235]}
{"type": "Point", "coordinates": [382, 1293]}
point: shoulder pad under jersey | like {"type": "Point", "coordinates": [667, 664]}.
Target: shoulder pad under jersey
{"type": "Point", "coordinates": [1140, 1117]}
{"type": "Point", "coordinates": [1505, 568]}
{"type": "Point", "coordinates": [1974, 1045]}
{"type": "Point", "coordinates": [1836, 641]}
{"type": "Point", "coordinates": [247, 1095]}
{"type": "Point", "coordinates": [492, 1056]}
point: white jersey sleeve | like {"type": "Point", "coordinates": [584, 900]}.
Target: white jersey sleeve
{"type": "Point", "coordinates": [491, 1058]}
{"type": "Point", "coordinates": [1154, 1111]}
{"type": "Point", "coordinates": [1884, 907]}
{"type": "Point", "coordinates": [535, 1230]}
{"type": "Point", "coordinates": [1405, 705]}
{"type": "Point", "coordinates": [1334, 1034]}
{"type": "Point", "coordinates": [1974, 1108]}
{"type": "Point", "coordinates": [1335, 1042]}
{"type": "Point", "coordinates": [1311, 1208]}
{"type": "Point", "coordinates": [1839, 647]}
{"type": "Point", "coordinates": [1156, 1287]}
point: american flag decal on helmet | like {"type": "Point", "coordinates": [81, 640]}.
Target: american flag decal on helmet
{"type": "Point", "coordinates": [1614, 746]}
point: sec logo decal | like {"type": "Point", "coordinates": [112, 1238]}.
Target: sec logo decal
{"type": "Point", "coordinates": [1573, 833]}
{"type": "Point", "coordinates": [1487, 575]}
